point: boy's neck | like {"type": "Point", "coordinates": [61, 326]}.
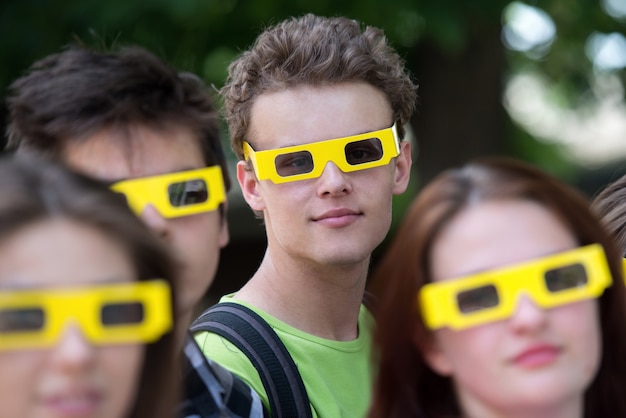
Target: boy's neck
{"type": "Point", "coordinates": [320, 300]}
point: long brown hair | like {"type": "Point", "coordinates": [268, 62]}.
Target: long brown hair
{"type": "Point", "coordinates": [32, 190]}
{"type": "Point", "coordinates": [406, 386]}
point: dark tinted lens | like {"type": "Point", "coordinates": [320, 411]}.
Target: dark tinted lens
{"type": "Point", "coordinates": [188, 192]}
{"type": "Point", "coordinates": [364, 151]}
{"type": "Point", "coordinates": [294, 163]}
{"type": "Point", "coordinates": [567, 277]}
{"type": "Point", "coordinates": [20, 320]}
{"type": "Point", "coordinates": [122, 313]}
{"type": "Point", "coordinates": [477, 299]}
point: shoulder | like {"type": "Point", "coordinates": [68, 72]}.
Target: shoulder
{"type": "Point", "coordinates": [212, 391]}
{"type": "Point", "coordinates": [227, 351]}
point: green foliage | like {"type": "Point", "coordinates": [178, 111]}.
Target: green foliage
{"type": "Point", "coordinates": [201, 34]}
{"type": "Point", "coordinates": [567, 62]}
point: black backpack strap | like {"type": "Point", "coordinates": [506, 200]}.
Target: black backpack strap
{"type": "Point", "coordinates": [257, 340]}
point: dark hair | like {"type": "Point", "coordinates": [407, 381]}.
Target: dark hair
{"type": "Point", "coordinates": [77, 92]}
{"type": "Point", "coordinates": [33, 190]}
{"type": "Point", "coordinates": [610, 205]}
{"type": "Point", "coordinates": [316, 51]}
{"type": "Point", "coordinates": [406, 386]}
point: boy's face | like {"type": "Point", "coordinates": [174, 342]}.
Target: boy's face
{"type": "Point", "coordinates": [196, 240]}
{"type": "Point", "coordinates": [337, 218]}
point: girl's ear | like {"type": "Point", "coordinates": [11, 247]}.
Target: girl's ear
{"type": "Point", "coordinates": [435, 357]}
{"type": "Point", "coordinates": [224, 235]}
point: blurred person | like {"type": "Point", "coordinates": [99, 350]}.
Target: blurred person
{"type": "Point", "coordinates": [500, 296]}
{"type": "Point", "coordinates": [610, 205]}
{"type": "Point", "coordinates": [85, 302]}
{"type": "Point", "coordinates": [316, 110]}
{"type": "Point", "coordinates": [129, 118]}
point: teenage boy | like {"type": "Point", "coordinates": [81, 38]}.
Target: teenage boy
{"type": "Point", "coordinates": [130, 119]}
{"type": "Point", "coordinates": [316, 110]}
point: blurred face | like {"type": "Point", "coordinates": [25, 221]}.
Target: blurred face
{"type": "Point", "coordinates": [537, 361]}
{"type": "Point", "coordinates": [72, 378]}
{"type": "Point", "coordinates": [195, 239]}
{"type": "Point", "coordinates": [337, 218]}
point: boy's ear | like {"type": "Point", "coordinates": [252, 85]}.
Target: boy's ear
{"type": "Point", "coordinates": [249, 186]}
{"type": "Point", "coordinates": [402, 173]}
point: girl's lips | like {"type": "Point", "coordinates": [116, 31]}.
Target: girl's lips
{"type": "Point", "coordinates": [73, 404]}
{"type": "Point", "coordinates": [537, 356]}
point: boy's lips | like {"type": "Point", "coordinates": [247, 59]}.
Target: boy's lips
{"type": "Point", "coordinates": [338, 217]}
{"type": "Point", "coordinates": [335, 213]}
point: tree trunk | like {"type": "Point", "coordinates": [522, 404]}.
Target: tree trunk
{"type": "Point", "coordinates": [460, 114]}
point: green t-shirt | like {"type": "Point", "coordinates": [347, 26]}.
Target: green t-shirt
{"type": "Point", "coordinates": [338, 375]}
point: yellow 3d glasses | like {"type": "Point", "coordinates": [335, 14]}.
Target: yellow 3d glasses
{"type": "Point", "coordinates": [489, 296]}
{"type": "Point", "coordinates": [176, 194]}
{"type": "Point", "coordinates": [121, 313]}
{"type": "Point", "coordinates": [301, 162]}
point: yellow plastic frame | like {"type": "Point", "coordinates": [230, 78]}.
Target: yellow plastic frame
{"type": "Point", "coordinates": [438, 300]}
{"type": "Point", "coordinates": [322, 152]}
{"type": "Point", "coordinates": [83, 305]}
{"type": "Point", "coordinates": [154, 190]}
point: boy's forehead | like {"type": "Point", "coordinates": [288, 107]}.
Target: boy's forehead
{"type": "Point", "coordinates": [113, 155]}
{"type": "Point", "coordinates": [307, 114]}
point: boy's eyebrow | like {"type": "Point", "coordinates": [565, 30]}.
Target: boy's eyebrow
{"type": "Point", "coordinates": [112, 182]}
{"type": "Point", "coordinates": [323, 140]}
